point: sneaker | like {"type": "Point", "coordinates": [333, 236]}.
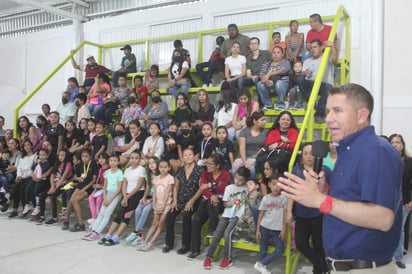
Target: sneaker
{"type": "Point", "coordinates": [102, 241]}
{"type": "Point", "coordinates": [91, 221]}
{"type": "Point", "coordinates": [267, 108]}
{"type": "Point", "coordinates": [280, 106]}
{"type": "Point", "coordinates": [110, 242]}
{"type": "Point", "coordinates": [207, 263]}
{"type": "Point", "coordinates": [35, 211]}
{"type": "Point", "coordinates": [292, 106]}
{"type": "Point", "coordinates": [299, 106]}
{"type": "Point", "coordinates": [85, 236]}
{"type": "Point", "coordinates": [225, 263]}
{"type": "Point", "coordinates": [182, 250]}
{"type": "Point", "coordinates": [27, 209]}
{"type": "Point", "coordinates": [210, 85]}
{"type": "Point", "coordinates": [93, 236]}
{"type": "Point", "coordinates": [209, 235]}
{"type": "Point", "coordinates": [140, 246]}
{"type": "Point", "coordinates": [65, 225]}
{"type": "Point", "coordinates": [193, 255]}
{"type": "Point", "coordinates": [138, 240]}
{"type": "Point", "coordinates": [261, 268]}
{"type": "Point", "coordinates": [401, 265]}
{"type": "Point", "coordinates": [204, 86]}
{"type": "Point", "coordinates": [41, 220]}
{"type": "Point", "coordinates": [5, 207]}
{"type": "Point", "coordinates": [52, 221]}
{"type": "Point", "coordinates": [147, 247]}
{"type": "Point", "coordinates": [78, 227]}
{"type": "Point", "coordinates": [131, 237]}
{"type": "Point", "coordinates": [13, 214]}
{"type": "Point", "coordinates": [166, 249]}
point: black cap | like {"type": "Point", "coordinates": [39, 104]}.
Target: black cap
{"type": "Point", "coordinates": [220, 39]}
{"type": "Point", "coordinates": [232, 26]}
{"type": "Point", "coordinates": [126, 47]}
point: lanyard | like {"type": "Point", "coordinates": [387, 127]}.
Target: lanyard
{"type": "Point", "coordinates": [203, 147]}
{"type": "Point", "coordinates": [86, 169]}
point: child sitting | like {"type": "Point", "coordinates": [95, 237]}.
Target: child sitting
{"type": "Point", "coordinates": [271, 225]}
{"type": "Point", "coordinates": [234, 203]}
{"type": "Point", "coordinates": [295, 94]}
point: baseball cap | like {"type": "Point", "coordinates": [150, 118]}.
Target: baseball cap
{"type": "Point", "coordinates": [232, 26]}
{"type": "Point", "coordinates": [220, 39]}
{"type": "Point", "coordinates": [89, 56]}
{"type": "Point", "coordinates": [126, 47]}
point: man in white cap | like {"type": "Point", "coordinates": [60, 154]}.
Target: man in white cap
{"type": "Point", "coordinates": [91, 69]}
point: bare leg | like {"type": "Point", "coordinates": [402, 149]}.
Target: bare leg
{"type": "Point", "coordinates": [70, 205]}
{"type": "Point", "coordinates": [112, 228]}
{"type": "Point", "coordinates": [159, 228]}
{"type": "Point", "coordinates": [122, 228]}
{"type": "Point", "coordinates": [80, 195]}
{"type": "Point", "coordinates": [153, 227]}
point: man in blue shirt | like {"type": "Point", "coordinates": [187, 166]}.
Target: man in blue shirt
{"type": "Point", "coordinates": [362, 221]}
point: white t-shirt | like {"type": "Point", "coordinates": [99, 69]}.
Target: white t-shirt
{"type": "Point", "coordinates": [274, 208]}
{"type": "Point", "coordinates": [132, 175]}
{"type": "Point", "coordinates": [235, 64]}
{"type": "Point", "coordinates": [234, 192]}
{"type": "Point", "coordinates": [224, 117]}
{"type": "Point", "coordinates": [175, 68]}
{"type": "Point", "coordinates": [313, 65]}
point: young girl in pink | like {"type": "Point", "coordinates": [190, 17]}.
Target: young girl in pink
{"type": "Point", "coordinates": [96, 198]}
{"type": "Point", "coordinates": [162, 203]}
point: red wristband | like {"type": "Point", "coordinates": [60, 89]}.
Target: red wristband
{"type": "Point", "coordinates": [326, 205]}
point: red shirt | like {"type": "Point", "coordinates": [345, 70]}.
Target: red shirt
{"type": "Point", "coordinates": [274, 137]}
{"type": "Point", "coordinates": [91, 72]}
{"type": "Point", "coordinates": [322, 35]}
{"type": "Point", "coordinates": [143, 95]}
{"type": "Point", "coordinates": [216, 186]}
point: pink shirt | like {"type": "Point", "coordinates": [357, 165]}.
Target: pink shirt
{"type": "Point", "coordinates": [98, 100]}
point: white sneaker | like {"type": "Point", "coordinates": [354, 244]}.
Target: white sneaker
{"type": "Point", "coordinates": [27, 208]}
{"type": "Point", "coordinates": [210, 85]}
{"type": "Point", "coordinates": [35, 211]}
{"type": "Point", "coordinates": [204, 86]}
{"type": "Point", "coordinates": [261, 268]}
{"type": "Point", "coordinates": [91, 221]}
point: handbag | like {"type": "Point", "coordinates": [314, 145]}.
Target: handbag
{"type": "Point", "coordinates": [279, 154]}
{"type": "Point", "coordinates": [128, 152]}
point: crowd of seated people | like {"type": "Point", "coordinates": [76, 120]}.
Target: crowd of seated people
{"type": "Point", "coordinates": [146, 163]}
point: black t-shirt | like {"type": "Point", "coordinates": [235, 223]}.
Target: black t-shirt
{"type": "Point", "coordinates": [223, 150]}
{"type": "Point", "coordinates": [82, 137]}
{"type": "Point", "coordinates": [182, 115]}
{"type": "Point", "coordinates": [204, 115]}
{"type": "Point", "coordinates": [86, 171]}
{"type": "Point", "coordinates": [98, 142]}
{"type": "Point", "coordinates": [185, 142]}
{"type": "Point", "coordinates": [205, 148]}
{"type": "Point", "coordinates": [53, 134]}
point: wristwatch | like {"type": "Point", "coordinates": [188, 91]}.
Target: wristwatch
{"type": "Point", "coordinates": [326, 205]}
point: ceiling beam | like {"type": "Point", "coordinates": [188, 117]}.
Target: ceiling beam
{"type": "Point", "coordinates": [81, 3]}
{"type": "Point", "coordinates": [51, 9]}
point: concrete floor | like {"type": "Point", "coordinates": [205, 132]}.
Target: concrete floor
{"type": "Point", "coordinates": [30, 248]}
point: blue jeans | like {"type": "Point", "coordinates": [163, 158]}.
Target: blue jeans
{"type": "Point", "coordinates": [265, 93]}
{"type": "Point", "coordinates": [94, 108]}
{"type": "Point", "coordinates": [183, 89]}
{"type": "Point", "coordinates": [5, 180]}
{"type": "Point", "coordinates": [267, 234]}
{"type": "Point", "coordinates": [323, 93]}
{"type": "Point", "coordinates": [140, 214]}
{"type": "Point", "coordinates": [398, 254]}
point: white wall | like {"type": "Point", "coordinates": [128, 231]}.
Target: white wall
{"type": "Point", "coordinates": [28, 59]}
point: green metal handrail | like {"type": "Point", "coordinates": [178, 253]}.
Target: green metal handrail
{"type": "Point", "coordinates": [307, 123]}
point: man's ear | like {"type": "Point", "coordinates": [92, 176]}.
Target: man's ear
{"type": "Point", "coordinates": [363, 115]}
